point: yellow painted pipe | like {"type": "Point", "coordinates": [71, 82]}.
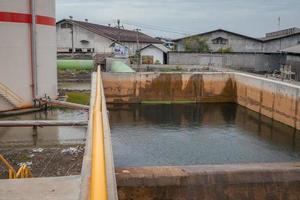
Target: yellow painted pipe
{"type": "Point", "coordinates": [98, 184]}
{"type": "Point", "coordinates": [11, 171]}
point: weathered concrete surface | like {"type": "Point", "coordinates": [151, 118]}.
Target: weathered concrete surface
{"type": "Point", "coordinates": [87, 159]}
{"type": "Point", "coordinates": [62, 188]}
{"type": "Point", "coordinates": [230, 182]}
{"type": "Point", "coordinates": [274, 99]}
{"type": "Point", "coordinates": [192, 87]}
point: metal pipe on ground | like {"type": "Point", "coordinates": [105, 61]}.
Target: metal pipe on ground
{"type": "Point", "coordinates": [68, 105]}
{"type": "Point", "coordinates": [42, 123]}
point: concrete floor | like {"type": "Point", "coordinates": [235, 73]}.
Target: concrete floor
{"type": "Point", "coordinates": [61, 188]}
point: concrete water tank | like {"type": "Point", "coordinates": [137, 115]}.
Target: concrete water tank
{"type": "Point", "coordinates": [27, 52]}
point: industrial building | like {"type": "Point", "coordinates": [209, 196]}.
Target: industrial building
{"type": "Point", "coordinates": [84, 37]}
{"type": "Point", "coordinates": [223, 39]}
{"type": "Point", "coordinates": [27, 52]}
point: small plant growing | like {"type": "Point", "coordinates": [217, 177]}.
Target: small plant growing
{"type": "Point", "coordinates": [196, 44]}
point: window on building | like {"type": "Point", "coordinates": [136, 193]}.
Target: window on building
{"type": "Point", "coordinates": [66, 25]}
{"type": "Point", "coordinates": [78, 50]}
{"type": "Point", "coordinates": [84, 42]}
{"type": "Point", "coordinates": [219, 40]}
{"type": "Point", "coordinates": [149, 60]}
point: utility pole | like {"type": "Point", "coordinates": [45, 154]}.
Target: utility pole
{"type": "Point", "coordinates": [279, 23]}
{"type": "Point", "coordinates": [138, 45]}
{"type": "Point", "coordinates": [118, 22]}
{"type": "Point", "coordinates": [72, 36]}
{"type": "Point", "coordinates": [119, 31]}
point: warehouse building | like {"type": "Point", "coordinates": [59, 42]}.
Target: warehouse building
{"type": "Point", "coordinates": [84, 37]}
{"type": "Point", "coordinates": [235, 42]}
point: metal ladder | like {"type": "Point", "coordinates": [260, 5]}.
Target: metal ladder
{"type": "Point", "coordinates": [10, 97]}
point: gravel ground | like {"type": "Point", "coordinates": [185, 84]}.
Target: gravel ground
{"type": "Point", "coordinates": [45, 162]}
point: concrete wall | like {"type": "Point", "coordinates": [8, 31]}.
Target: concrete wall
{"type": "Point", "coordinates": [257, 62]}
{"type": "Point", "coordinates": [237, 43]}
{"type": "Point", "coordinates": [223, 182]}
{"type": "Point", "coordinates": [157, 54]}
{"type": "Point", "coordinates": [141, 87]}
{"type": "Point", "coordinates": [274, 99]}
{"type": "Point", "coordinates": [185, 58]}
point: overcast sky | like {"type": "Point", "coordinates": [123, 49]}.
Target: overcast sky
{"type": "Point", "coordinates": [174, 18]}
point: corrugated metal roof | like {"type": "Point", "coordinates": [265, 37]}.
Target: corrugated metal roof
{"type": "Point", "coordinates": [113, 33]}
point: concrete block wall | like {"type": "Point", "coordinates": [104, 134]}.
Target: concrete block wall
{"type": "Point", "coordinates": [258, 62]}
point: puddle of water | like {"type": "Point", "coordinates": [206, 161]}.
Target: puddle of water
{"type": "Point", "coordinates": [81, 86]}
{"type": "Point", "coordinates": [191, 134]}
{"type": "Point", "coordinates": [46, 136]}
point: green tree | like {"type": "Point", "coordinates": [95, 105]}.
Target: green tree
{"type": "Point", "coordinates": [196, 44]}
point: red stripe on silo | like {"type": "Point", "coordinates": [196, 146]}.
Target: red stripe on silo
{"type": "Point", "coordinates": [15, 17]}
{"type": "Point", "coordinates": [43, 20]}
{"type": "Point", "coordinates": [26, 18]}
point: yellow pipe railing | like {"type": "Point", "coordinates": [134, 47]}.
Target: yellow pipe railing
{"type": "Point", "coordinates": [98, 184]}
{"type": "Point", "coordinates": [23, 172]}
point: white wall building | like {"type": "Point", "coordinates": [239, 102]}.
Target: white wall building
{"type": "Point", "coordinates": [27, 60]}
{"type": "Point", "coordinates": [78, 36]}
{"type": "Point", "coordinates": [154, 54]}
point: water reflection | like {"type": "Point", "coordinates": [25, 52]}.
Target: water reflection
{"type": "Point", "coordinates": [45, 136]}
{"type": "Point", "coordinates": [147, 135]}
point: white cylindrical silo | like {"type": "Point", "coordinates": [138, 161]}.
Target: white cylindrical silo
{"type": "Point", "coordinates": [27, 52]}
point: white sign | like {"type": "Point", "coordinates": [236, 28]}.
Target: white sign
{"type": "Point", "coordinates": [120, 51]}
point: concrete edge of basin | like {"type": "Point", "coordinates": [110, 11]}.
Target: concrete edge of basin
{"type": "Point", "coordinates": [204, 175]}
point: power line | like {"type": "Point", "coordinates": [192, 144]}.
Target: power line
{"type": "Point", "coordinates": [151, 27]}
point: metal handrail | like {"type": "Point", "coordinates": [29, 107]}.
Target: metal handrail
{"type": "Point", "coordinates": [5, 89]}
{"type": "Point", "coordinates": [98, 184]}
{"type": "Point", "coordinates": [23, 172]}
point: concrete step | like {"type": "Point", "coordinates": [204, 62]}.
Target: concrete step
{"type": "Point", "coordinates": [60, 188]}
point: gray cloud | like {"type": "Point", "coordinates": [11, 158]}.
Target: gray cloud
{"type": "Point", "coordinates": [253, 17]}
